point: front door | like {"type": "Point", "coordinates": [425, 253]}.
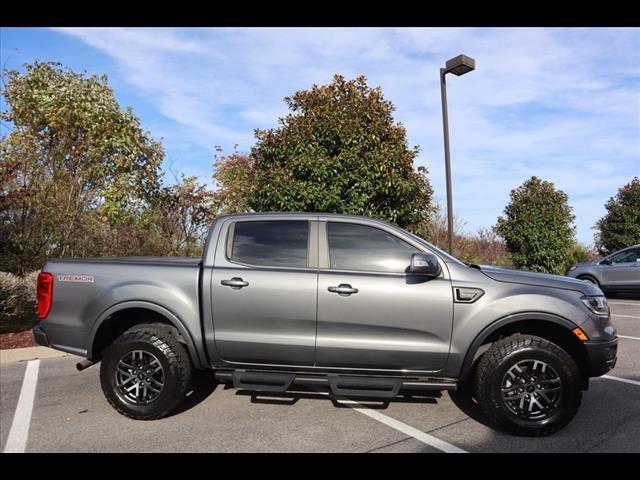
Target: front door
{"type": "Point", "coordinates": [264, 293]}
{"type": "Point", "coordinates": [373, 315]}
{"type": "Point", "coordinates": [624, 269]}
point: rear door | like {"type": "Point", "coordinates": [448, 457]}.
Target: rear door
{"type": "Point", "coordinates": [264, 291]}
{"type": "Point", "coordinates": [373, 315]}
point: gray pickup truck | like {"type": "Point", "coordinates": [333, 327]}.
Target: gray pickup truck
{"type": "Point", "coordinates": [286, 301]}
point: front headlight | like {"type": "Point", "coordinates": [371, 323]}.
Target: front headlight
{"type": "Point", "coordinates": [597, 305]}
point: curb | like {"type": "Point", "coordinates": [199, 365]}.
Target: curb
{"type": "Point", "coordinates": [29, 353]}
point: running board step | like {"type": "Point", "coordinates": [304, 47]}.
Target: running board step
{"type": "Point", "coordinates": [262, 381]}
{"type": "Point", "coordinates": [364, 386]}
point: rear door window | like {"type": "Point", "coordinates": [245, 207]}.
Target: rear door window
{"type": "Point", "coordinates": [273, 243]}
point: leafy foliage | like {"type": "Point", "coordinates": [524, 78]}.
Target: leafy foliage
{"type": "Point", "coordinates": [620, 226]}
{"type": "Point", "coordinates": [482, 248]}
{"type": "Point", "coordinates": [72, 159]}
{"type": "Point", "coordinates": [537, 227]}
{"type": "Point", "coordinates": [184, 212]}
{"type": "Point", "coordinates": [236, 178]}
{"type": "Point", "coordinates": [580, 254]}
{"type": "Point", "coordinates": [338, 151]}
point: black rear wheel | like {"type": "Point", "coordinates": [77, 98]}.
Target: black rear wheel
{"type": "Point", "coordinates": [146, 373]}
{"type": "Point", "coordinates": [528, 386]}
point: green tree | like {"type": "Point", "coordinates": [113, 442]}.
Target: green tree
{"type": "Point", "coordinates": [620, 226]}
{"type": "Point", "coordinates": [71, 152]}
{"type": "Point", "coordinates": [537, 227]}
{"type": "Point", "coordinates": [338, 151]}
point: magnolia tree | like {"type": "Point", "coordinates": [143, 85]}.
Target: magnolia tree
{"type": "Point", "coordinates": [537, 227]}
{"type": "Point", "coordinates": [620, 226]}
{"type": "Point", "coordinates": [340, 151]}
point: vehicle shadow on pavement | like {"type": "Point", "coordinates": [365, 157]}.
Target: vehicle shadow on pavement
{"type": "Point", "coordinates": [204, 384]}
{"type": "Point", "coordinates": [462, 397]}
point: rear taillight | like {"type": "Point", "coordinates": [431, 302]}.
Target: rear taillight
{"type": "Point", "coordinates": [45, 294]}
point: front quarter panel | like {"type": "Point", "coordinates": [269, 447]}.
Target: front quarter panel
{"type": "Point", "coordinates": [504, 303]}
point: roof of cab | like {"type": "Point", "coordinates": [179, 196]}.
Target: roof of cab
{"type": "Point", "coordinates": [306, 214]}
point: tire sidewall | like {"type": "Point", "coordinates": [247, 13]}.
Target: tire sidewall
{"type": "Point", "coordinates": [570, 394]}
{"type": "Point", "coordinates": [108, 379]}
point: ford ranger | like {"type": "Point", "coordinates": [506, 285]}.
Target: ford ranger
{"type": "Point", "coordinates": [353, 305]}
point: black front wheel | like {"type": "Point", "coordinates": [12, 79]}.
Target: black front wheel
{"type": "Point", "coordinates": [146, 373]}
{"type": "Point", "coordinates": [528, 386]}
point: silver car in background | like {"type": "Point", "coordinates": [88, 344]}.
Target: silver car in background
{"type": "Point", "coordinates": [615, 273]}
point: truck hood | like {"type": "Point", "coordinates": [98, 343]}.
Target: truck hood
{"type": "Point", "coordinates": [539, 279]}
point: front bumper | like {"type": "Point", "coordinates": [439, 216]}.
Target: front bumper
{"type": "Point", "coordinates": [602, 356]}
{"type": "Point", "coordinates": [40, 336]}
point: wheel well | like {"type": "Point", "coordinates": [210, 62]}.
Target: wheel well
{"type": "Point", "coordinates": [586, 275]}
{"type": "Point", "coordinates": [115, 325]}
{"type": "Point", "coordinates": [558, 334]}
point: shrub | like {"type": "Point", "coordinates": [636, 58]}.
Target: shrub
{"type": "Point", "coordinates": [17, 302]}
{"type": "Point", "coordinates": [482, 248]}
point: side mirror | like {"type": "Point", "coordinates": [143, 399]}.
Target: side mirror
{"type": "Point", "coordinates": [424, 264]}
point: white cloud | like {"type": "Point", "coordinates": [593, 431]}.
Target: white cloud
{"type": "Point", "coordinates": [563, 104]}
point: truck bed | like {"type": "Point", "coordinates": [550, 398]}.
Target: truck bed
{"type": "Point", "coordinates": [88, 290]}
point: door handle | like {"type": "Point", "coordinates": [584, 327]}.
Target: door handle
{"type": "Point", "coordinates": [344, 289]}
{"type": "Point", "coordinates": [235, 282]}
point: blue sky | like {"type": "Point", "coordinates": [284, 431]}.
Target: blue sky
{"type": "Point", "coordinates": [563, 104]}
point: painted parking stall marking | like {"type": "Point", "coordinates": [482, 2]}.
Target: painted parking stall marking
{"type": "Point", "coordinates": [622, 303]}
{"type": "Point", "coordinates": [625, 336]}
{"type": "Point", "coordinates": [619, 379]}
{"type": "Point", "coordinates": [19, 432]}
{"type": "Point", "coordinates": [404, 428]}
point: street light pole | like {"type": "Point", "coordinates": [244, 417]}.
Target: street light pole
{"type": "Point", "coordinates": [458, 66]}
{"type": "Point", "coordinates": [447, 157]}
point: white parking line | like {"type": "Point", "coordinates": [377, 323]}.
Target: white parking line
{"type": "Point", "coordinates": [625, 380]}
{"type": "Point", "coordinates": [623, 303]}
{"type": "Point", "coordinates": [19, 432]}
{"type": "Point", "coordinates": [632, 338]}
{"type": "Point", "coordinates": [404, 428]}
{"type": "Point", "coordinates": [627, 316]}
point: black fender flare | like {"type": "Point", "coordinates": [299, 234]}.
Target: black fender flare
{"type": "Point", "coordinates": [502, 322]}
{"type": "Point", "coordinates": [173, 320]}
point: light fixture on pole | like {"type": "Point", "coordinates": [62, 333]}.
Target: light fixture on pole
{"type": "Point", "coordinates": [458, 66]}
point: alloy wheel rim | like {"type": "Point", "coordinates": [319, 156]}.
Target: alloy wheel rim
{"type": "Point", "coordinates": [139, 377]}
{"type": "Point", "coordinates": [531, 390]}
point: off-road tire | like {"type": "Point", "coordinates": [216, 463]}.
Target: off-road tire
{"type": "Point", "coordinates": [502, 356]}
{"type": "Point", "coordinates": [162, 342]}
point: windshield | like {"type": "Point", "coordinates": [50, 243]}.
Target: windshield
{"type": "Point", "coordinates": [442, 253]}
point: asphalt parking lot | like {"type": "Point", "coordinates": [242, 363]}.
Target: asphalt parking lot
{"type": "Point", "coordinates": [70, 414]}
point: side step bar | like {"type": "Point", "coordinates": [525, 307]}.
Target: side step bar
{"type": "Point", "coordinates": [364, 386]}
{"type": "Point", "coordinates": [340, 385]}
{"type": "Point", "coordinates": [263, 381]}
